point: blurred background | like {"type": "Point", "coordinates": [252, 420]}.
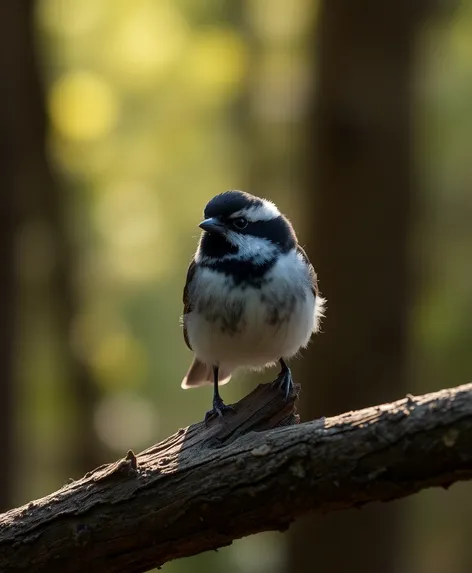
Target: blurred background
{"type": "Point", "coordinates": [119, 120]}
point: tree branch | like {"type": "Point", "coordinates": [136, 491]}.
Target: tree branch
{"type": "Point", "coordinates": [205, 486]}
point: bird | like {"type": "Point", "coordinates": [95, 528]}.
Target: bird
{"type": "Point", "coordinates": [251, 297]}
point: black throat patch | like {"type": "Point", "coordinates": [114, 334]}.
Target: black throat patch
{"type": "Point", "coordinates": [216, 246]}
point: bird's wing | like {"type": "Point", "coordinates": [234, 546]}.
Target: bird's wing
{"type": "Point", "coordinates": [186, 298]}
{"type": "Point", "coordinates": [311, 270]}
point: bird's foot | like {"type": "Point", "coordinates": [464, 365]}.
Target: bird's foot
{"type": "Point", "coordinates": [219, 408]}
{"type": "Point", "coordinates": [284, 382]}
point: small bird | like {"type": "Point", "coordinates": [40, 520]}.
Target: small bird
{"type": "Point", "coordinates": [251, 296]}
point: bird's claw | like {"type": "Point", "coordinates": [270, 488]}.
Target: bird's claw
{"type": "Point", "coordinates": [284, 382]}
{"type": "Point", "coordinates": [219, 408]}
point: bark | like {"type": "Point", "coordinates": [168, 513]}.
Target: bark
{"type": "Point", "coordinates": [207, 485]}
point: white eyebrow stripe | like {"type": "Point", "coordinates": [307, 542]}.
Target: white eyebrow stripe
{"type": "Point", "coordinates": [264, 212]}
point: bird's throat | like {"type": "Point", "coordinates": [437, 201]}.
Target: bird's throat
{"type": "Point", "coordinates": [216, 246]}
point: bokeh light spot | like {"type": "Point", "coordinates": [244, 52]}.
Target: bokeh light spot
{"type": "Point", "coordinates": [144, 43]}
{"type": "Point", "coordinates": [128, 218]}
{"type": "Point", "coordinates": [125, 420]}
{"type": "Point", "coordinates": [83, 106]}
{"type": "Point", "coordinates": [70, 18]}
{"type": "Point", "coordinates": [279, 21]}
{"type": "Point", "coordinates": [217, 62]}
{"type": "Point", "coordinates": [119, 360]}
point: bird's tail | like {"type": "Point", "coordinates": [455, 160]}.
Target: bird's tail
{"type": "Point", "coordinates": [200, 374]}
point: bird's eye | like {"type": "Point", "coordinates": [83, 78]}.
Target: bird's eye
{"type": "Point", "coordinates": [240, 223]}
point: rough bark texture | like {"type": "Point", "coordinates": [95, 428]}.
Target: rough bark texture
{"type": "Point", "coordinates": [205, 486]}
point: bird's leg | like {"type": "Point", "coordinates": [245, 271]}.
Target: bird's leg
{"type": "Point", "coordinates": [284, 380]}
{"type": "Point", "coordinates": [218, 405]}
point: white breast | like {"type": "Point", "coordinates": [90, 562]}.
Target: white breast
{"type": "Point", "coordinates": [253, 327]}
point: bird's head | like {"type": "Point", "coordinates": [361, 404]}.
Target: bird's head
{"type": "Point", "coordinates": [241, 225]}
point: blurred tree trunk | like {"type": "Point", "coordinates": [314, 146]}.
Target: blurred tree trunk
{"type": "Point", "coordinates": [27, 180]}
{"type": "Point", "coordinates": [360, 190]}
{"type": "Point", "coordinates": [7, 307]}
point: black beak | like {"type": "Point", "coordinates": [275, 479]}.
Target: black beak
{"type": "Point", "coordinates": [213, 225]}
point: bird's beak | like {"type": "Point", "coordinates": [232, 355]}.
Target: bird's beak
{"type": "Point", "coordinates": [213, 225]}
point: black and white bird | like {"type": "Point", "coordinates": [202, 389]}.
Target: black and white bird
{"type": "Point", "coordinates": [251, 297]}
